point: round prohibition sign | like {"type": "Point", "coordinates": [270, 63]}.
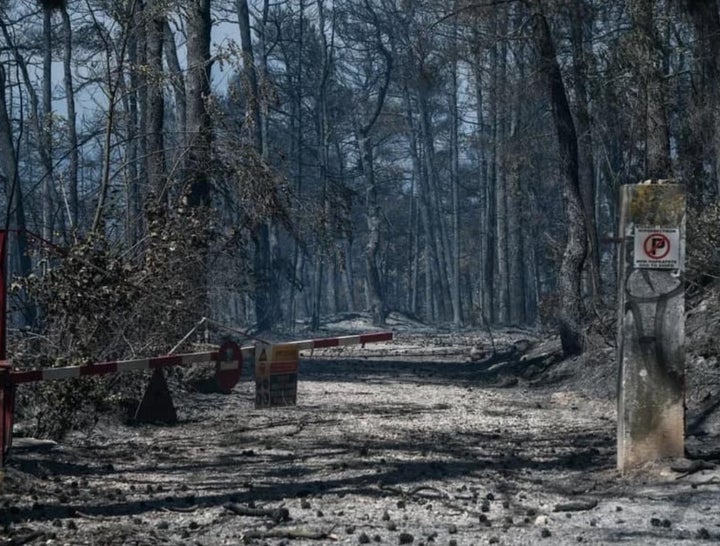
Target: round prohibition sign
{"type": "Point", "coordinates": [656, 246]}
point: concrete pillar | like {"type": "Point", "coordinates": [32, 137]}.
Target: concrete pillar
{"type": "Point", "coordinates": [651, 324]}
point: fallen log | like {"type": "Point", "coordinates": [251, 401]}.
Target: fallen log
{"type": "Point", "coordinates": [278, 515]}
{"type": "Point", "coordinates": [577, 506]}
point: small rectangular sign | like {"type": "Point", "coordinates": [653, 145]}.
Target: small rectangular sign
{"type": "Point", "coordinates": [656, 248]}
{"type": "Point", "coordinates": [276, 373]}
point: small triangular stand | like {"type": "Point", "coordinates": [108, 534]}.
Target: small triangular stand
{"type": "Point", "coordinates": [157, 405]}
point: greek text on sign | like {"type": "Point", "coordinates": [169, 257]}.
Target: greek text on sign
{"type": "Point", "coordinates": [657, 248]}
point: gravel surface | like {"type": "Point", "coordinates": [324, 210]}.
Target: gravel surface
{"type": "Point", "coordinates": [379, 450]}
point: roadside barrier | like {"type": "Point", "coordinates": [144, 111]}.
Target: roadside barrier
{"type": "Point", "coordinates": [156, 405]}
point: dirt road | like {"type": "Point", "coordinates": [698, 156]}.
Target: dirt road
{"type": "Point", "coordinates": [377, 451]}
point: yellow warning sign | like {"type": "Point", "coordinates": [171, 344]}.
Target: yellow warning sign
{"type": "Point", "coordinates": [276, 373]}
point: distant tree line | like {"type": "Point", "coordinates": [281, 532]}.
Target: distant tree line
{"type": "Point", "coordinates": [458, 162]}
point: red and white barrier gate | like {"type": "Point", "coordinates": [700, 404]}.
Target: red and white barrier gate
{"type": "Point", "coordinates": [228, 368]}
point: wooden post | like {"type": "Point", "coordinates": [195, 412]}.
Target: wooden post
{"type": "Point", "coordinates": [651, 324]}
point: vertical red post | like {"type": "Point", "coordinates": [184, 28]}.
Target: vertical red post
{"type": "Point", "coordinates": [7, 392]}
{"type": "Point", "coordinates": [7, 405]}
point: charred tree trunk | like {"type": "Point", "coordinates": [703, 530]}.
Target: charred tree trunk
{"type": "Point", "coordinates": [267, 300]}
{"type": "Point", "coordinates": [651, 77]}
{"type": "Point", "coordinates": [570, 314]}
{"type": "Point", "coordinates": [375, 295]}
{"type": "Point", "coordinates": [72, 176]}
{"type": "Point", "coordinates": [155, 109]}
{"type": "Point", "coordinates": [455, 176]}
{"type": "Point", "coordinates": [178, 84]}
{"type": "Point", "coordinates": [586, 163]}
{"type": "Point", "coordinates": [47, 127]}
{"type": "Point", "coordinates": [197, 167]}
{"type": "Point", "coordinates": [13, 190]}
{"type": "Point", "coordinates": [198, 91]}
{"type": "Point", "coordinates": [705, 139]}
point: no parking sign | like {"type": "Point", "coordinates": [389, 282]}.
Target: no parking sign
{"type": "Point", "coordinates": [657, 248]}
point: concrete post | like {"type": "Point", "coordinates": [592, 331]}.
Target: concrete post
{"type": "Point", "coordinates": [651, 324]}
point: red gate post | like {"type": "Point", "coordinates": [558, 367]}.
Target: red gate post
{"type": "Point", "coordinates": [228, 366]}
{"type": "Point", "coordinates": [7, 405]}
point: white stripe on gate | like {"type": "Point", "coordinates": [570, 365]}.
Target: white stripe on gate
{"type": "Point", "coordinates": [348, 340]}
{"type": "Point", "coordinates": [196, 358]}
{"type": "Point", "coordinates": [133, 365]}
{"type": "Point", "coordinates": [51, 374]}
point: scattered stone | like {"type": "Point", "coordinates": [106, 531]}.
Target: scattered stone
{"type": "Point", "coordinates": [703, 534]}
{"type": "Point", "coordinates": [363, 538]}
{"type": "Point", "coordinates": [72, 525]}
{"type": "Point", "coordinates": [405, 538]}
{"type": "Point", "coordinates": [193, 525]}
{"type": "Point", "coordinates": [385, 516]}
{"type": "Point", "coordinates": [452, 529]}
{"type": "Point", "coordinates": [377, 538]}
{"type": "Point", "coordinates": [452, 542]}
{"type": "Point", "coordinates": [485, 507]}
{"type": "Point", "coordinates": [490, 497]}
{"type": "Point", "coordinates": [545, 533]}
{"type": "Point", "coordinates": [320, 514]}
{"type": "Point", "coordinates": [541, 520]}
{"type": "Point", "coordinates": [304, 504]}
{"type": "Point", "coordinates": [493, 540]}
{"type": "Point", "coordinates": [392, 526]}
{"type": "Point", "coordinates": [350, 529]}
{"type": "Point", "coordinates": [401, 504]}
{"type": "Point", "coordinates": [57, 523]}
{"type": "Point", "coordinates": [506, 504]}
{"type": "Point", "coordinates": [163, 525]}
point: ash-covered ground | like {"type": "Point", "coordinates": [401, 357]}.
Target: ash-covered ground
{"type": "Point", "coordinates": [424, 440]}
